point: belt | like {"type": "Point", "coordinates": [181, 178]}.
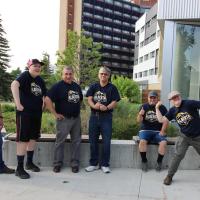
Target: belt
{"type": "Point", "coordinates": [97, 113]}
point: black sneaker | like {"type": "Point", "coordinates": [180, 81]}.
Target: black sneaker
{"type": "Point", "coordinates": [7, 170]}
{"type": "Point", "coordinates": [31, 166]}
{"type": "Point", "coordinates": [144, 166]}
{"type": "Point", "coordinates": [168, 180]}
{"type": "Point", "coordinates": [57, 169]}
{"type": "Point", "coordinates": [158, 166]}
{"type": "Point", "coordinates": [75, 169]}
{"type": "Point", "coordinates": [21, 173]}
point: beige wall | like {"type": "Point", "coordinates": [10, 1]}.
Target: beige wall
{"type": "Point", "coordinates": [63, 21]}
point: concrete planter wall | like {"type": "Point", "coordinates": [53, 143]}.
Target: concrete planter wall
{"type": "Point", "coordinates": [124, 154]}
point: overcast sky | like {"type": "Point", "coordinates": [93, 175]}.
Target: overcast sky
{"type": "Point", "coordinates": [32, 27]}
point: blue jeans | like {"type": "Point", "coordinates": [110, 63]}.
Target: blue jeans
{"type": "Point", "coordinates": [151, 136]}
{"type": "Point", "coordinates": [100, 124]}
{"type": "Point", "coordinates": [1, 156]}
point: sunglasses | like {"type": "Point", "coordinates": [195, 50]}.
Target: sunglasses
{"type": "Point", "coordinates": [105, 74]}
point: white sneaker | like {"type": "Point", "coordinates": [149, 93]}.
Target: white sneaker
{"type": "Point", "coordinates": [91, 168]}
{"type": "Point", "coordinates": [105, 169]}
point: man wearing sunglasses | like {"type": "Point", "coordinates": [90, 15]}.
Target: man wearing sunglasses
{"type": "Point", "coordinates": [151, 130]}
{"type": "Point", "coordinates": [28, 92]}
{"type": "Point", "coordinates": [102, 99]}
{"type": "Point", "coordinates": [186, 114]}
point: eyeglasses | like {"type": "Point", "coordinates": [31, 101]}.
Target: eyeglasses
{"type": "Point", "coordinates": [105, 74]}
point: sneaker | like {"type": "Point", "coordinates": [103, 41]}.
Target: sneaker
{"type": "Point", "coordinates": [31, 166]}
{"type": "Point", "coordinates": [75, 169]}
{"type": "Point", "coordinates": [168, 180]}
{"type": "Point", "coordinates": [57, 169]}
{"type": "Point", "coordinates": [144, 166]}
{"type": "Point", "coordinates": [158, 166]}
{"type": "Point", "coordinates": [7, 170]}
{"type": "Point", "coordinates": [21, 173]}
{"type": "Point", "coordinates": [106, 170]}
{"type": "Point", "coordinates": [91, 168]}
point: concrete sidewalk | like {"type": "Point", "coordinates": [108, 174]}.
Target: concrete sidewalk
{"type": "Point", "coordinates": [121, 184]}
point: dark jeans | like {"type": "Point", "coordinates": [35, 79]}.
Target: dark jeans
{"type": "Point", "coordinates": [1, 156]}
{"type": "Point", "coordinates": [100, 124]}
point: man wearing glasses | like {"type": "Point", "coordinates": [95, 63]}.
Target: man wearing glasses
{"type": "Point", "coordinates": [102, 98]}
{"type": "Point", "coordinates": [28, 92]}
{"type": "Point", "coordinates": [186, 114]}
{"type": "Point", "coordinates": [151, 130]}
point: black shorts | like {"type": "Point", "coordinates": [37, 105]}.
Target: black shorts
{"type": "Point", "coordinates": [28, 126]}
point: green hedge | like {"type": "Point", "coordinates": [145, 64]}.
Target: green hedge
{"type": "Point", "coordinates": [124, 120]}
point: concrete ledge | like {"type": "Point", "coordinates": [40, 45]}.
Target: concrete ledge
{"type": "Point", "coordinates": [124, 153]}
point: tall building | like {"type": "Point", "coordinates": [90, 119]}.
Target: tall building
{"type": "Point", "coordinates": [147, 43]}
{"type": "Point", "coordinates": [111, 22]}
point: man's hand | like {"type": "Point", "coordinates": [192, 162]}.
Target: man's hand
{"type": "Point", "coordinates": [59, 116]}
{"type": "Point", "coordinates": [158, 104]}
{"type": "Point", "coordinates": [97, 106]}
{"type": "Point", "coordinates": [20, 107]}
{"type": "Point", "coordinates": [1, 123]}
{"type": "Point", "coordinates": [103, 107]}
{"type": "Point", "coordinates": [162, 133]}
{"type": "Point", "coordinates": [141, 113]}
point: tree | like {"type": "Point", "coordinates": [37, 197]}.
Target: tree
{"type": "Point", "coordinates": [47, 72]}
{"type": "Point", "coordinates": [15, 73]}
{"type": "Point", "coordinates": [128, 88]}
{"type": "Point", "coordinates": [5, 78]}
{"type": "Point", "coordinates": [81, 51]}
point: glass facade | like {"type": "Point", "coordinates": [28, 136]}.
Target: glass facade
{"type": "Point", "coordinates": [186, 68]}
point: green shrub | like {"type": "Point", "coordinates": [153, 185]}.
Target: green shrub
{"type": "Point", "coordinates": [127, 88]}
{"type": "Point", "coordinates": [7, 107]}
{"type": "Point", "coordinates": [48, 123]}
{"type": "Point", "coordinates": [124, 120]}
{"type": "Point", "coordinates": [172, 130]}
{"type": "Point", "coordinates": [9, 122]}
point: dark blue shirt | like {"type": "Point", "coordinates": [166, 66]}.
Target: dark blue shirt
{"type": "Point", "coordinates": [67, 98]}
{"type": "Point", "coordinates": [150, 120]}
{"type": "Point", "coordinates": [187, 117]}
{"type": "Point", "coordinates": [105, 95]}
{"type": "Point", "coordinates": [31, 92]}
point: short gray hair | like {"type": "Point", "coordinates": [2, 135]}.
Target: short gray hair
{"type": "Point", "coordinates": [105, 69]}
{"type": "Point", "coordinates": [68, 68]}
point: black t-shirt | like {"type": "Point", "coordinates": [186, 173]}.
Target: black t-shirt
{"type": "Point", "coordinates": [31, 92]}
{"type": "Point", "coordinates": [187, 117]}
{"type": "Point", "coordinates": [67, 98]}
{"type": "Point", "coordinates": [150, 120]}
{"type": "Point", "coordinates": [105, 95]}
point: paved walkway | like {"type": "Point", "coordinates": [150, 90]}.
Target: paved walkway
{"type": "Point", "coordinates": [121, 184]}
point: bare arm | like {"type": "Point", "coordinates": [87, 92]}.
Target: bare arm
{"type": "Point", "coordinates": [50, 107]}
{"type": "Point", "coordinates": [164, 126]}
{"type": "Point", "coordinates": [92, 105]}
{"type": "Point", "coordinates": [158, 113]}
{"type": "Point", "coordinates": [15, 92]}
{"type": "Point", "coordinates": [140, 115]}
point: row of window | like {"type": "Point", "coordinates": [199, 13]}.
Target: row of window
{"type": "Point", "coordinates": [148, 24]}
{"type": "Point", "coordinates": [146, 57]}
{"type": "Point", "coordinates": [115, 64]}
{"type": "Point", "coordinates": [117, 56]}
{"type": "Point", "coordinates": [110, 20]}
{"type": "Point", "coordinates": [153, 71]}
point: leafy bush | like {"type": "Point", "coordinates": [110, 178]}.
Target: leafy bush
{"type": "Point", "coordinates": [172, 130]}
{"type": "Point", "coordinates": [127, 88]}
{"type": "Point", "coordinates": [124, 120]}
{"type": "Point", "coordinates": [7, 107]}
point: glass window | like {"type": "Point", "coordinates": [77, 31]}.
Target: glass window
{"type": "Point", "coordinates": [187, 62]}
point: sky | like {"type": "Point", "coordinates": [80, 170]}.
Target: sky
{"type": "Point", "coordinates": [32, 27]}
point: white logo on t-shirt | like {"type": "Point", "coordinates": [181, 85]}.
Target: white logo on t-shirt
{"type": "Point", "coordinates": [151, 116]}
{"type": "Point", "coordinates": [183, 118]}
{"type": "Point", "coordinates": [35, 89]}
{"type": "Point", "coordinates": [100, 97]}
{"type": "Point", "coordinates": [73, 96]}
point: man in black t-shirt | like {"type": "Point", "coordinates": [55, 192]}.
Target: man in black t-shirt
{"type": "Point", "coordinates": [186, 114]}
{"type": "Point", "coordinates": [151, 130]}
{"type": "Point", "coordinates": [67, 96]}
{"type": "Point", "coordinates": [28, 92]}
{"type": "Point", "coordinates": [102, 98]}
